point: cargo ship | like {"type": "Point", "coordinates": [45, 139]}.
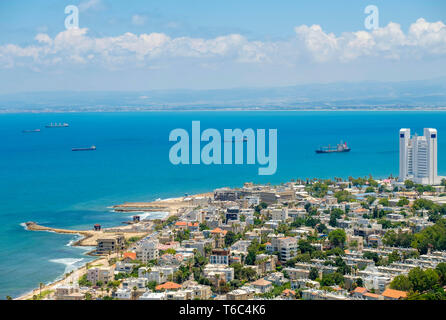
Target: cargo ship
{"type": "Point", "coordinates": [57, 125]}
{"type": "Point", "coordinates": [342, 147]}
{"type": "Point", "coordinates": [92, 148]}
{"type": "Point", "coordinates": [31, 131]}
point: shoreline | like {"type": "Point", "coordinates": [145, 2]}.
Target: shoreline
{"type": "Point", "coordinates": [87, 236]}
{"type": "Point", "coordinates": [431, 109]}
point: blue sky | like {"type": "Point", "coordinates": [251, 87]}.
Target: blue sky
{"type": "Point", "coordinates": [216, 44]}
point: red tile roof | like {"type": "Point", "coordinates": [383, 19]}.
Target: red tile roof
{"type": "Point", "coordinates": [262, 282]}
{"type": "Point", "coordinates": [168, 286]}
{"type": "Point", "coordinates": [219, 231]}
{"type": "Point", "coordinates": [360, 290]}
{"type": "Point", "coordinates": [288, 292]}
{"type": "Point", "coordinates": [130, 255]}
{"type": "Point", "coordinates": [395, 294]}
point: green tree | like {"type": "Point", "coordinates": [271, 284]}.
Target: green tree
{"type": "Point", "coordinates": [394, 256]}
{"type": "Point", "coordinates": [337, 238]}
{"type": "Point", "coordinates": [423, 280]}
{"type": "Point", "coordinates": [409, 184]}
{"type": "Point", "coordinates": [203, 226]}
{"type": "Point", "coordinates": [431, 237]}
{"type": "Point", "coordinates": [398, 239]}
{"type": "Point", "coordinates": [371, 255]}
{"type": "Point", "coordinates": [322, 228]}
{"type": "Point", "coordinates": [305, 246]}
{"type": "Point", "coordinates": [318, 189]}
{"type": "Point", "coordinates": [83, 282]}
{"type": "Point", "coordinates": [369, 190]}
{"type": "Point", "coordinates": [314, 273]}
{"type": "Point", "coordinates": [441, 271]}
{"type": "Point", "coordinates": [249, 274]}
{"type": "Point", "coordinates": [237, 270]}
{"type": "Point", "coordinates": [334, 215]}
{"type": "Point", "coordinates": [343, 196]}
{"type": "Point", "coordinates": [403, 202]}
{"type": "Point", "coordinates": [230, 238]}
{"type": "Point", "coordinates": [402, 283]}
{"type": "Point", "coordinates": [251, 257]}
{"type": "Point", "coordinates": [331, 279]}
{"type": "Point", "coordinates": [343, 268]}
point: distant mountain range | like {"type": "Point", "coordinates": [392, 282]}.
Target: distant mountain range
{"type": "Point", "coordinates": [407, 95]}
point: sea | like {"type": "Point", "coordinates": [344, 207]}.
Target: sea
{"type": "Point", "coordinates": [42, 180]}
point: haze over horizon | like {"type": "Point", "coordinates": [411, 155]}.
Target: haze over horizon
{"type": "Point", "coordinates": [366, 95]}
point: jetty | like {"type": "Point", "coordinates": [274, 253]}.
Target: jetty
{"type": "Point", "coordinates": [90, 237]}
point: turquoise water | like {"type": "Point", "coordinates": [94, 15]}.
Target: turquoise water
{"type": "Point", "coordinates": [42, 180]}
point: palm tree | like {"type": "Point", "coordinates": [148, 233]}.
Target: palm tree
{"type": "Point", "coordinates": [40, 289]}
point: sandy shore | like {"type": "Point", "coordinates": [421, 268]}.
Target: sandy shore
{"type": "Point", "coordinates": [173, 206]}
{"type": "Point", "coordinates": [73, 277]}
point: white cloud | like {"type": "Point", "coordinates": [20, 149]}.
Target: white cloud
{"type": "Point", "coordinates": [139, 20]}
{"type": "Point", "coordinates": [390, 42]}
{"type": "Point", "coordinates": [321, 45]}
{"type": "Point", "coordinates": [89, 4]}
{"type": "Point", "coordinates": [311, 44]}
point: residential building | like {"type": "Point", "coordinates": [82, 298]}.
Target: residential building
{"type": "Point", "coordinates": [110, 244]}
{"type": "Point", "coordinates": [262, 285]}
{"type": "Point", "coordinates": [240, 294]}
{"type": "Point", "coordinates": [153, 296]}
{"type": "Point", "coordinates": [100, 274]}
{"type": "Point", "coordinates": [219, 256]}
{"type": "Point", "coordinates": [280, 214]}
{"type": "Point", "coordinates": [68, 292]}
{"type": "Point", "coordinates": [147, 251]}
{"type": "Point", "coordinates": [218, 271]}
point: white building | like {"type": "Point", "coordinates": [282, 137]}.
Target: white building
{"type": "Point", "coordinates": [130, 283]}
{"type": "Point", "coordinates": [286, 246]}
{"type": "Point", "coordinates": [148, 250]}
{"type": "Point", "coordinates": [418, 157]}
{"type": "Point", "coordinates": [223, 272]}
{"type": "Point", "coordinates": [124, 267]}
{"type": "Point", "coordinates": [157, 273]}
{"type": "Point", "coordinates": [280, 214]}
{"type": "Point", "coordinates": [153, 296]}
{"type": "Point", "coordinates": [101, 274]}
{"type": "Point", "coordinates": [123, 294]}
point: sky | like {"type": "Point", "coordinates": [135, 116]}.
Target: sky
{"type": "Point", "coordinates": [202, 44]}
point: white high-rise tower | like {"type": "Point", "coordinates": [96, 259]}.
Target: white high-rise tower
{"type": "Point", "coordinates": [418, 157]}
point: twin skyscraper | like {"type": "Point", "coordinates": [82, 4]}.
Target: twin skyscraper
{"type": "Point", "coordinates": [418, 157]}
